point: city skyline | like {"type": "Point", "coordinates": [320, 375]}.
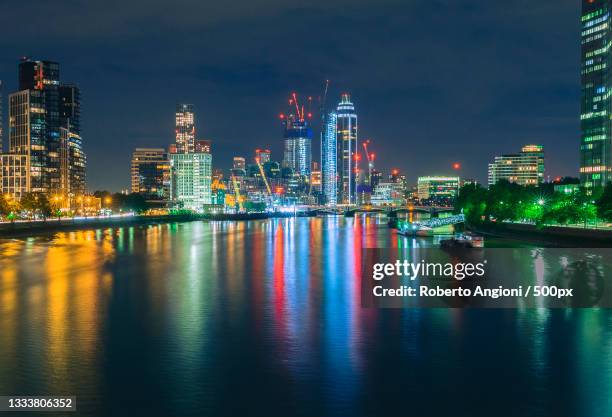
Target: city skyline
{"type": "Point", "coordinates": [237, 88]}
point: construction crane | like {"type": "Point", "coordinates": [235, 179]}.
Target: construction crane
{"type": "Point", "coordinates": [263, 175]}
{"type": "Point", "coordinates": [370, 158]}
{"type": "Point", "coordinates": [237, 193]}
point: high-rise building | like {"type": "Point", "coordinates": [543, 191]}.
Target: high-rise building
{"type": "Point", "coordinates": [239, 163]}
{"type": "Point", "coordinates": [524, 168]}
{"type": "Point", "coordinates": [315, 178]}
{"type": "Point", "coordinates": [34, 123]}
{"type": "Point", "coordinates": [45, 147]}
{"type": "Point", "coordinates": [191, 179]}
{"type": "Point", "coordinates": [596, 104]}
{"type": "Point", "coordinates": [151, 174]}
{"type": "Point", "coordinates": [190, 163]}
{"type": "Point", "coordinates": [438, 189]}
{"type": "Point", "coordinates": [263, 155]}
{"type": "Point", "coordinates": [72, 156]}
{"type": "Point", "coordinates": [298, 143]}
{"type": "Point", "coordinates": [347, 150]}
{"type": "Point", "coordinates": [203, 145]}
{"type": "Point", "coordinates": [329, 161]}
{"type": "Point", "coordinates": [185, 128]}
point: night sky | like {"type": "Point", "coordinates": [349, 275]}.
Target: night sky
{"type": "Point", "coordinates": [433, 82]}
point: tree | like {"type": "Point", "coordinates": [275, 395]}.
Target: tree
{"type": "Point", "coordinates": [36, 203]}
{"type": "Point", "coordinates": [604, 203]}
{"type": "Point", "coordinates": [471, 201]}
{"type": "Point", "coordinates": [5, 207]}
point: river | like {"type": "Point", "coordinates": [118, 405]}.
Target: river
{"type": "Point", "coordinates": [264, 318]}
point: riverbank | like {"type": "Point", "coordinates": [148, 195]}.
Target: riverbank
{"type": "Point", "coordinates": [32, 228]}
{"type": "Point", "coordinates": [547, 235]}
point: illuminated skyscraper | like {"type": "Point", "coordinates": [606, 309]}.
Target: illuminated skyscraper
{"type": "Point", "coordinates": [185, 128]}
{"type": "Point", "coordinates": [34, 123]}
{"type": "Point", "coordinates": [298, 142]}
{"type": "Point", "coordinates": [191, 179]}
{"type": "Point", "coordinates": [239, 163]}
{"type": "Point", "coordinates": [596, 104]}
{"type": "Point", "coordinates": [151, 173]}
{"type": "Point", "coordinates": [72, 156]}
{"type": "Point", "coordinates": [190, 163]}
{"type": "Point", "coordinates": [264, 155]}
{"type": "Point", "coordinates": [347, 150]}
{"type": "Point", "coordinates": [45, 147]}
{"type": "Point", "coordinates": [329, 160]}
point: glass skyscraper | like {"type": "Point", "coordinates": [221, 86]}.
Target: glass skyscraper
{"type": "Point", "coordinates": [185, 128]}
{"type": "Point", "coordinates": [190, 164]}
{"type": "Point", "coordinates": [329, 160]}
{"type": "Point", "coordinates": [72, 156]}
{"type": "Point", "coordinates": [347, 150]}
{"type": "Point", "coordinates": [298, 143]}
{"type": "Point", "coordinates": [45, 147]}
{"type": "Point", "coordinates": [595, 117]}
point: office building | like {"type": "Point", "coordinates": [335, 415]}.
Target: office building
{"type": "Point", "coordinates": [329, 161]}
{"type": "Point", "coordinates": [596, 103]}
{"type": "Point", "coordinates": [437, 189]}
{"type": "Point", "coordinates": [190, 163]}
{"type": "Point", "coordinates": [524, 168]}
{"type": "Point", "coordinates": [239, 163]}
{"type": "Point", "coordinates": [191, 179]}
{"type": "Point", "coordinates": [263, 155]}
{"type": "Point", "coordinates": [347, 163]}
{"type": "Point", "coordinates": [203, 146]}
{"type": "Point", "coordinates": [72, 156]}
{"type": "Point", "coordinates": [151, 174]}
{"type": "Point", "coordinates": [14, 175]}
{"type": "Point", "coordinates": [298, 143]}
{"type": "Point", "coordinates": [185, 129]}
{"type": "Point", "coordinates": [315, 178]}
{"type": "Point", "coordinates": [44, 133]}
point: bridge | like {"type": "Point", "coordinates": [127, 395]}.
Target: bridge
{"type": "Point", "coordinates": [426, 225]}
{"type": "Point", "coordinates": [394, 211]}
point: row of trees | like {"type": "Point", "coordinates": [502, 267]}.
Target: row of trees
{"type": "Point", "coordinates": [31, 203]}
{"type": "Point", "coordinates": [119, 202]}
{"type": "Point", "coordinates": [39, 205]}
{"type": "Point", "coordinates": [507, 201]}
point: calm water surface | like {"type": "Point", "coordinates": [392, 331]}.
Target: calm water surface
{"type": "Point", "coordinates": [264, 318]}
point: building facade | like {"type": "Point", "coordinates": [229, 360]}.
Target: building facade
{"type": "Point", "coordinates": [151, 175]}
{"type": "Point", "coordinates": [596, 86]}
{"type": "Point", "coordinates": [44, 134]}
{"type": "Point", "coordinates": [185, 128]}
{"type": "Point", "coordinates": [72, 156]}
{"type": "Point", "coordinates": [329, 160]}
{"type": "Point", "coordinates": [347, 162]}
{"type": "Point", "coordinates": [263, 155]}
{"type": "Point", "coordinates": [298, 146]}
{"type": "Point", "coordinates": [524, 168]}
{"type": "Point", "coordinates": [191, 179]}
{"type": "Point", "coordinates": [388, 193]}
{"type": "Point", "coordinates": [437, 189]}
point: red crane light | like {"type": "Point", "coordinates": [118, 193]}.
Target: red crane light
{"type": "Point", "coordinates": [456, 165]}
